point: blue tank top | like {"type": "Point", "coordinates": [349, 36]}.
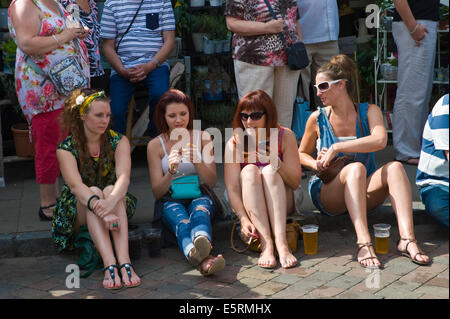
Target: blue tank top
{"type": "Point", "coordinates": [327, 137]}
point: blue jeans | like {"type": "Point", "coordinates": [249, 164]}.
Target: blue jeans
{"type": "Point", "coordinates": [435, 198]}
{"type": "Point", "coordinates": [198, 214]}
{"type": "Point", "coordinates": [121, 90]}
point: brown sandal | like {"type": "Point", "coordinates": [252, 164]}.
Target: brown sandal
{"type": "Point", "coordinates": [407, 254]}
{"type": "Point", "coordinates": [216, 266]}
{"type": "Point", "coordinates": [360, 246]}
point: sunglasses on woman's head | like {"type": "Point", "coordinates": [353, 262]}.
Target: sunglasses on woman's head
{"type": "Point", "coordinates": [254, 116]}
{"type": "Point", "coordinates": [326, 85]}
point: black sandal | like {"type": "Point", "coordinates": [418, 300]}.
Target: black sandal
{"type": "Point", "coordinates": [128, 269]}
{"type": "Point", "coordinates": [42, 216]}
{"type": "Point", "coordinates": [112, 276]}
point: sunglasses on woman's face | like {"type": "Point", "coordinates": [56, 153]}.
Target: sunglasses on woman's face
{"type": "Point", "coordinates": [326, 85]}
{"type": "Point", "coordinates": [254, 116]}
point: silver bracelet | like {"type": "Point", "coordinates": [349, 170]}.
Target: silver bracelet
{"type": "Point", "coordinates": [415, 29]}
{"type": "Point", "coordinates": [56, 39]}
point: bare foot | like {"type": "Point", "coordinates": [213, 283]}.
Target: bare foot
{"type": "Point", "coordinates": [267, 258]}
{"type": "Point", "coordinates": [287, 260]}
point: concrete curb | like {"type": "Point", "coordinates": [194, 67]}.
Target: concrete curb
{"type": "Point", "coordinates": [40, 243]}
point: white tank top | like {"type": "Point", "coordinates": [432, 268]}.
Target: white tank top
{"type": "Point", "coordinates": [185, 166]}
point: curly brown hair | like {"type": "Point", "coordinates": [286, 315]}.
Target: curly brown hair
{"type": "Point", "coordinates": [71, 121]}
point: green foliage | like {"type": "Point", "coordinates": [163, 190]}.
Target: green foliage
{"type": "Point", "coordinates": [443, 12]}
{"type": "Point", "coordinates": [183, 18]}
{"type": "Point", "coordinates": [9, 47]}
{"type": "Point", "coordinates": [364, 60]}
{"type": "Point", "coordinates": [384, 4]}
{"type": "Point", "coordinates": [217, 28]}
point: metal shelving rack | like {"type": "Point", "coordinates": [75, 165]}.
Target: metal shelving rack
{"type": "Point", "coordinates": [382, 54]}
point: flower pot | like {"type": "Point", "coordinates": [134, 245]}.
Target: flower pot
{"type": "Point", "coordinates": [215, 3]}
{"type": "Point", "coordinates": [197, 38]}
{"type": "Point", "coordinates": [226, 45]}
{"type": "Point", "coordinates": [22, 144]}
{"type": "Point", "coordinates": [4, 18]}
{"type": "Point", "coordinates": [218, 46]}
{"type": "Point", "coordinates": [197, 3]}
{"type": "Point", "coordinates": [208, 46]}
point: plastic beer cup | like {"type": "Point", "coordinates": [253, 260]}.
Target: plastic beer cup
{"type": "Point", "coordinates": [382, 238]}
{"type": "Point", "coordinates": [310, 239]}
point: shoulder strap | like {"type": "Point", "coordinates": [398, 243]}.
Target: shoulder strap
{"type": "Point", "coordinates": [162, 144]}
{"type": "Point", "coordinates": [129, 26]}
{"type": "Point", "coordinates": [274, 16]}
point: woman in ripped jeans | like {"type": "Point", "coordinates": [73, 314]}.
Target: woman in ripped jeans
{"type": "Point", "coordinates": [180, 150]}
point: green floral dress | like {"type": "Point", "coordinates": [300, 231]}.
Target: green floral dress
{"type": "Point", "coordinates": [66, 204]}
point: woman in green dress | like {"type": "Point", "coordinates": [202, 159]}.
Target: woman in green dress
{"type": "Point", "coordinates": [95, 163]}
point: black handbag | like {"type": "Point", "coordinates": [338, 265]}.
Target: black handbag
{"type": "Point", "coordinates": [297, 57]}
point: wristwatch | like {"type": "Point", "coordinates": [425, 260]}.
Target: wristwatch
{"type": "Point", "coordinates": [156, 61]}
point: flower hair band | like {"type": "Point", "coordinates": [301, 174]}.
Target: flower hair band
{"type": "Point", "coordinates": [85, 101]}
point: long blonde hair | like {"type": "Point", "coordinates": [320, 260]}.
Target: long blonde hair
{"type": "Point", "coordinates": [71, 121]}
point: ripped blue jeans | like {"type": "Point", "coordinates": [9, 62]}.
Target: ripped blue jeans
{"type": "Point", "coordinates": [198, 214]}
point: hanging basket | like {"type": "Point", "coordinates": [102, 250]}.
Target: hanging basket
{"type": "Point", "coordinates": [22, 144]}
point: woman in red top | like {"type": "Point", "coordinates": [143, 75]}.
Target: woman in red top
{"type": "Point", "coordinates": [253, 173]}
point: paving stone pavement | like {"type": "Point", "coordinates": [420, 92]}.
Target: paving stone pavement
{"type": "Point", "coordinates": [332, 273]}
{"type": "Point", "coordinates": [31, 270]}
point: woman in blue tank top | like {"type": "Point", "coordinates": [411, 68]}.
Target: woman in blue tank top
{"type": "Point", "coordinates": [345, 128]}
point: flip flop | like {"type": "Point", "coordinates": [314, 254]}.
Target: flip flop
{"type": "Point", "coordinates": [112, 276]}
{"type": "Point", "coordinates": [201, 250]}
{"type": "Point", "coordinates": [128, 269]}
{"type": "Point", "coordinates": [217, 265]}
{"type": "Point", "coordinates": [405, 252]}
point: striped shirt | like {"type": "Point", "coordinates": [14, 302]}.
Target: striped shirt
{"type": "Point", "coordinates": [433, 165]}
{"type": "Point", "coordinates": [145, 37]}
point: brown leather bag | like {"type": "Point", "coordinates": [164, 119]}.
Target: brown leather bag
{"type": "Point", "coordinates": [336, 165]}
{"type": "Point", "coordinates": [293, 230]}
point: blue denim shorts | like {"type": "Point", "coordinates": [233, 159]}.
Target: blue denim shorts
{"type": "Point", "coordinates": [314, 188]}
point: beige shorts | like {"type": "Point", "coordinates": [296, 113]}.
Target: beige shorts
{"type": "Point", "coordinates": [279, 82]}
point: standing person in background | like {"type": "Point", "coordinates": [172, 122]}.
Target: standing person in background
{"type": "Point", "coordinates": [414, 30]}
{"type": "Point", "coordinates": [432, 172]}
{"type": "Point", "coordinates": [88, 16]}
{"type": "Point", "coordinates": [138, 55]}
{"type": "Point", "coordinates": [41, 33]}
{"type": "Point", "coordinates": [321, 42]}
{"type": "Point", "coordinates": [259, 55]}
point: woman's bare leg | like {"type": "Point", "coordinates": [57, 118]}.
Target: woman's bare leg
{"type": "Point", "coordinates": [100, 236]}
{"type": "Point", "coordinates": [120, 238]}
{"type": "Point", "coordinates": [391, 179]}
{"type": "Point", "coordinates": [275, 194]}
{"type": "Point", "coordinates": [348, 191]}
{"type": "Point", "coordinates": [252, 195]}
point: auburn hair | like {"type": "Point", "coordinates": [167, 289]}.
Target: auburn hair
{"type": "Point", "coordinates": [169, 97]}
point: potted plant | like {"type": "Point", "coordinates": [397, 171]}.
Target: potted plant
{"type": "Point", "coordinates": [197, 3]}
{"type": "Point", "coordinates": [9, 49]}
{"type": "Point", "coordinates": [389, 68]}
{"type": "Point", "coordinates": [17, 121]}
{"type": "Point", "coordinates": [443, 17]}
{"type": "Point", "coordinates": [182, 17]}
{"type": "Point", "coordinates": [215, 3]}
{"type": "Point", "coordinates": [200, 27]}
